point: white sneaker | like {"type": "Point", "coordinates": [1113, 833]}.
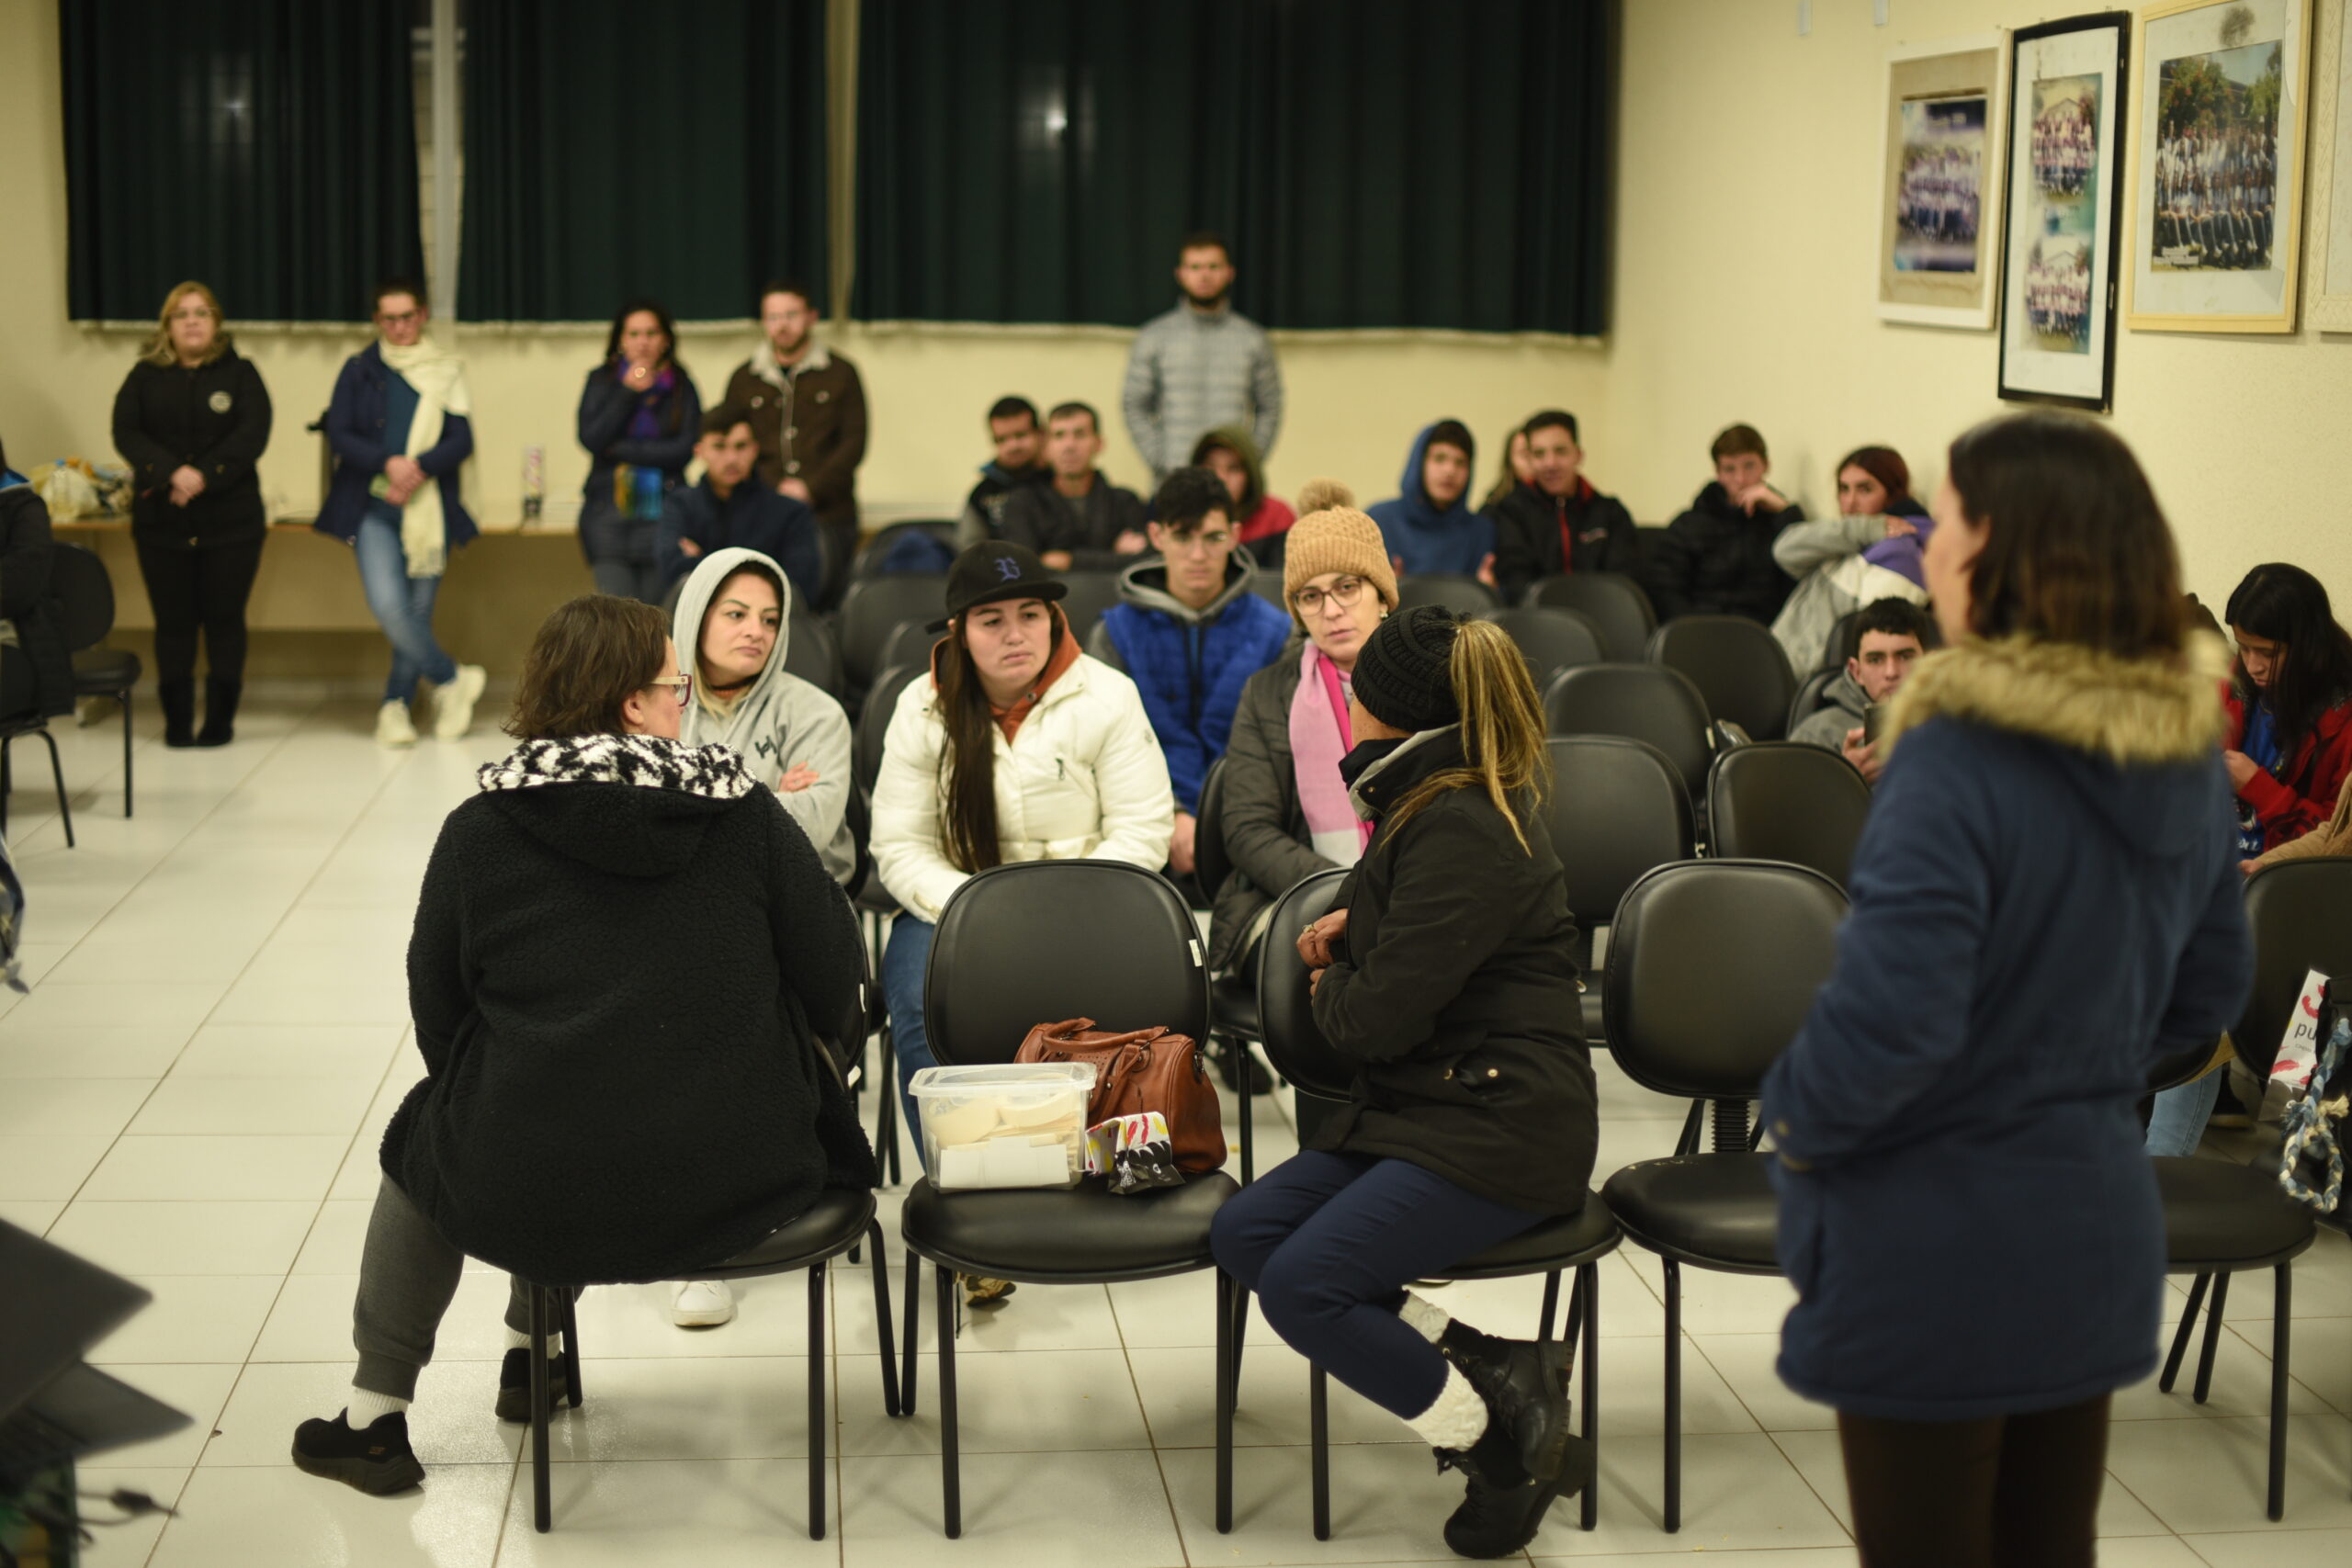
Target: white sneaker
{"type": "Point", "coordinates": [703, 1303]}
{"type": "Point", "coordinates": [452, 704]}
{"type": "Point", "coordinates": [393, 727]}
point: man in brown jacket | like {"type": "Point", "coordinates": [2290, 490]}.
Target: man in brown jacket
{"type": "Point", "coordinates": [808, 413]}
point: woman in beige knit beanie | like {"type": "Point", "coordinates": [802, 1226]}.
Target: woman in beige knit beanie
{"type": "Point", "coordinates": [1286, 813]}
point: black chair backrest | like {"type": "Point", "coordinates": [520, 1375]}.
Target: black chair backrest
{"type": "Point", "coordinates": [1029, 943]}
{"type": "Point", "coordinates": [876, 608]}
{"type": "Point", "coordinates": [909, 642]}
{"type": "Point", "coordinates": [812, 653]}
{"type": "Point", "coordinates": [1268, 585]}
{"type": "Point", "coordinates": [1553, 640]}
{"type": "Point", "coordinates": [1813, 696]}
{"type": "Point", "coordinates": [868, 561]}
{"type": "Point", "coordinates": [1842, 637]}
{"type": "Point", "coordinates": [1777, 800]}
{"type": "Point", "coordinates": [1648, 702]}
{"type": "Point", "coordinates": [874, 720]}
{"type": "Point", "coordinates": [1210, 865]}
{"type": "Point", "coordinates": [1285, 1006]}
{"type": "Point", "coordinates": [1463, 595]}
{"type": "Point", "coordinates": [1738, 666]}
{"type": "Point", "coordinates": [1616, 812]}
{"type": "Point", "coordinates": [1614, 601]}
{"type": "Point", "coordinates": [1713, 966]}
{"type": "Point", "coordinates": [1091, 593]}
{"type": "Point", "coordinates": [83, 595]}
{"type": "Point", "coordinates": [1100, 646]}
{"type": "Point", "coordinates": [2300, 913]}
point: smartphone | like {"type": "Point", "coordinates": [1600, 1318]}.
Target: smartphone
{"type": "Point", "coordinates": [1870, 716]}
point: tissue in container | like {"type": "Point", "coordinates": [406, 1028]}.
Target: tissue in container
{"type": "Point", "coordinates": [1006, 1124]}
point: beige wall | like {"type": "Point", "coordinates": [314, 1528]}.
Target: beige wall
{"type": "Point", "coordinates": [1747, 218]}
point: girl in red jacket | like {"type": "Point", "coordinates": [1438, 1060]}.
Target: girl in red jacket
{"type": "Point", "coordinates": [2290, 744]}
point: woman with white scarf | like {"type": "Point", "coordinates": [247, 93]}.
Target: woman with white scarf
{"type": "Point", "coordinates": [399, 428]}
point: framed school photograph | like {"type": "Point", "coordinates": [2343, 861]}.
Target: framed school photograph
{"type": "Point", "coordinates": [1939, 225]}
{"type": "Point", "coordinates": [2330, 302]}
{"type": "Point", "coordinates": [2066, 206]}
{"type": "Point", "coordinates": [2217, 176]}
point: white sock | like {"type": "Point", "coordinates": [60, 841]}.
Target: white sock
{"type": "Point", "coordinates": [1426, 1319]}
{"type": "Point", "coordinates": [365, 1409]}
{"type": "Point", "coordinates": [517, 1340]}
{"type": "Point", "coordinates": [1456, 1420]}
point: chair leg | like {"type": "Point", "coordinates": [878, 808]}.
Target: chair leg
{"type": "Point", "coordinates": [57, 771]}
{"type": "Point", "coordinates": [124, 701]}
{"type": "Point", "coordinates": [951, 1478]}
{"type": "Point", "coordinates": [914, 1324]}
{"type": "Point", "coordinates": [2281, 1320]}
{"type": "Point", "coordinates": [1240, 1336]}
{"type": "Point", "coordinates": [1248, 1139]}
{"type": "Point", "coordinates": [1552, 1306]}
{"type": "Point", "coordinates": [1673, 1272]}
{"type": "Point", "coordinates": [881, 1272]}
{"type": "Point", "coordinates": [569, 1311]}
{"type": "Point", "coordinates": [885, 1116]}
{"type": "Point", "coordinates": [2212, 1337]}
{"type": "Point", "coordinates": [542, 1512]}
{"type": "Point", "coordinates": [1319, 1425]}
{"type": "Point", "coordinates": [1228, 1395]}
{"type": "Point", "coordinates": [1588, 1336]}
{"type": "Point", "coordinates": [817, 1400]}
{"type": "Point", "coordinates": [2180, 1336]}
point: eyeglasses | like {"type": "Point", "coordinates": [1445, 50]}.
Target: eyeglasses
{"type": "Point", "coordinates": [1344, 594]}
{"type": "Point", "coordinates": [403, 319]}
{"type": "Point", "coordinates": [683, 682]}
{"type": "Point", "coordinates": [1206, 540]}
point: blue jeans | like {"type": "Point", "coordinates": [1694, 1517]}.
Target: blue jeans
{"type": "Point", "coordinates": [620, 552]}
{"type": "Point", "coordinates": [2178, 1124]}
{"type": "Point", "coordinates": [1331, 1241]}
{"type": "Point", "coordinates": [905, 957]}
{"type": "Point", "coordinates": [404, 607]}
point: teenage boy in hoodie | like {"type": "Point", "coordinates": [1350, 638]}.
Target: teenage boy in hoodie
{"type": "Point", "coordinates": [1191, 634]}
{"type": "Point", "coordinates": [1431, 527]}
{"type": "Point", "coordinates": [1078, 520]}
{"type": "Point", "coordinates": [1012, 429]}
{"type": "Point", "coordinates": [1716, 558]}
{"type": "Point", "coordinates": [1889, 638]}
{"type": "Point", "coordinates": [1556, 522]}
{"type": "Point", "coordinates": [731, 507]}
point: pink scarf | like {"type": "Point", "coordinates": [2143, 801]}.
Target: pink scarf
{"type": "Point", "coordinates": [1319, 737]}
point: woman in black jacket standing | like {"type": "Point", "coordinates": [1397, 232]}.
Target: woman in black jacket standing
{"type": "Point", "coordinates": [583, 1118]}
{"type": "Point", "coordinates": [1447, 971]}
{"type": "Point", "coordinates": [193, 420]}
{"type": "Point", "coordinates": [640, 418]}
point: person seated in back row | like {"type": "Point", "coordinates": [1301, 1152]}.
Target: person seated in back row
{"type": "Point", "coordinates": [1556, 522]}
{"type": "Point", "coordinates": [1431, 528]}
{"type": "Point", "coordinates": [1260, 520]}
{"type": "Point", "coordinates": [1716, 558]}
{"type": "Point", "coordinates": [1874, 548]}
{"type": "Point", "coordinates": [1077, 519]}
{"type": "Point", "coordinates": [1191, 634]}
{"type": "Point", "coordinates": [731, 509]}
{"type": "Point", "coordinates": [1889, 637]}
{"type": "Point", "coordinates": [1014, 431]}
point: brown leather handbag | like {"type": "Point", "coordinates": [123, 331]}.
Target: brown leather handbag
{"type": "Point", "coordinates": [1149, 1069]}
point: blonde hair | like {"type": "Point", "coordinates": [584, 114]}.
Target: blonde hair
{"type": "Point", "coordinates": [1502, 728]}
{"type": "Point", "coordinates": [159, 349]}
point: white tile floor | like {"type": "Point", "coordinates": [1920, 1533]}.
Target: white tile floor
{"type": "Point", "coordinates": [193, 1094]}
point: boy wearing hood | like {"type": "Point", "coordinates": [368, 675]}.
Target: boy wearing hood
{"type": "Point", "coordinates": [1191, 634]}
{"type": "Point", "coordinates": [1259, 521]}
{"type": "Point", "coordinates": [729, 508]}
{"type": "Point", "coordinates": [1431, 527]}
{"type": "Point", "coordinates": [1716, 558]}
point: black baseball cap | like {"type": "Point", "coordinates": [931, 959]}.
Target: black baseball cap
{"type": "Point", "coordinates": [996, 570]}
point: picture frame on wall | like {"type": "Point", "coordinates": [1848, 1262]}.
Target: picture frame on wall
{"type": "Point", "coordinates": [1939, 199]}
{"type": "Point", "coordinates": [2330, 302]}
{"type": "Point", "coordinates": [2219, 94]}
{"type": "Point", "coordinates": [2068, 82]}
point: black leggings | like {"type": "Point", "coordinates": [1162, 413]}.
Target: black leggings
{"type": "Point", "coordinates": [199, 590]}
{"type": "Point", "coordinates": [2017, 1491]}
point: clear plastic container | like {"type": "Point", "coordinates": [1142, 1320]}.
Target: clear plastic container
{"type": "Point", "coordinates": [1011, 1125]}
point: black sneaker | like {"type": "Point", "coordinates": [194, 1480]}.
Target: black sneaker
{"type": "Point", "coordinates": [1526, 1386]}
{"type": "Point", "coordinates": [377, 1461]}
{"type": "Point", "coordinates": [515, 1383]}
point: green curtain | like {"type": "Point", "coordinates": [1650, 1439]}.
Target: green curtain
{"type": "Point", "coordinates": [621, 149]}
{"type": "Point", "coordinates": [1373, 163]}
{"type": "Point", "coordinates": [267, 148]}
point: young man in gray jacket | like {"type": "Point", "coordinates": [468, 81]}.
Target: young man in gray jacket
{"type": "Point", "coordinates": [1888, 640]}
{"type": "Point", "coordinates": [1201, 366]}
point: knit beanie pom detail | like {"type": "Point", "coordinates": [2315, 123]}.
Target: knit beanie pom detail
{"type": "Point", "coordinates": [1321, 495]}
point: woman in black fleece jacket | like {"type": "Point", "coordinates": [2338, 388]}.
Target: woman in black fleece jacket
{"type": "Point", "coordinates": [585, 1119]}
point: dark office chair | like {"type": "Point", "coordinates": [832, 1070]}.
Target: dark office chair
{"type": "Point", "coordinates": [1647, 702]}
{"type": "Point", "coordinates": [85, 600]}
{"type": "Point", "coordinates": [1553, 640]}
{"type": "Point", "coordinates": [1617, 811]}
{"type": "Point", "coordinates": [1614, 601]}
{"type": "Point", "coordinates": [1787, 802]}
{"type": "Point", "coordinates": [1813, 696]}
{"type": "Point", "coordinates": [20, 716]}
{"type": "Point", "coordinates": [874, 609]}
{"type": "Point", "coordinates": [1738, 666]}
{"type": "Point", "coordinates": [1463, 595]}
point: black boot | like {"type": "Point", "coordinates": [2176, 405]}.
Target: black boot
{"type": "Point", "coordinates": [219, 711]}
{"type": "Point", "coordinates": [1526, 1386]}
{"type": "Point", "coordinates": [178, 700]}
{"type": "Point", "coordinates": [377, 1461]}
{"type": "Point", "coordinates": [515, 1383]}
{"type": "Point", "coordinates": [1498, 1519]}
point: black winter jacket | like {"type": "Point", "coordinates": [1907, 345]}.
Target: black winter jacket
{"type": "Point", "coordinates": [1458, 995]}
{"type": "Point", "coordinates": [1715, 559]}
{"type": "Point", "coordinates": [1043, 519]}
{"type": "Point", "coordinates": [215, 418]}
{"type": "Point", "coordinates": [1263, 826]}
{"type": "Point", "coordinates": [614, 986]}
{"type": "Point", "coordinates": [1529, 542]}
{"type": "Point", "coordinates": [27, 600]}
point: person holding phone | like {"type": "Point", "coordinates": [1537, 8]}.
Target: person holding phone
{"type": "Point", "coordinates": [1889, 637]}
{"type": "Point", "coordinates": [640, 418]}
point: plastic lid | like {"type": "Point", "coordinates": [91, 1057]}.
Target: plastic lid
{"type": "Point", "coordinates": [1007, 1075]}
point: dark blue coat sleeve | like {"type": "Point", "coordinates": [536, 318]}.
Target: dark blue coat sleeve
{"type": "Point", "coordinates": [457, 444]}
{"type": "Point", "coordinates": [355, 441]}
{"type": "Point", "coordinates": [2216, 969]}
